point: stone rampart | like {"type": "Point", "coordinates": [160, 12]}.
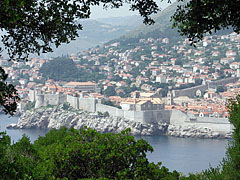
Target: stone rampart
{"type": "Point", "coordinates": [170, 117]}
{"type": "Point", "coordinates": [219, 127]}
{"type": "Point", "coordinates": [113, 111]}
{"type": "Point", "coordinates": [177, 117]}
{"type": "Point", "coordinates": [51, 99]}
{"type": "Point", "coordinates": [224, 81]}
{"type": "Point", "coordinates": [191, 92]}
{"type": "Point", "coordinates": [87, 104]}
{"type": "Point", "coordinates": [73, 101]}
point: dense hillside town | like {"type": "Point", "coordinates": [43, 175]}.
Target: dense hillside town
{"type": "Point", "coordinates": [156, 68]}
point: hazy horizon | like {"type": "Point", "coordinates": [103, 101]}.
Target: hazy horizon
{"type": "Point", "coordinates": [98, 11]}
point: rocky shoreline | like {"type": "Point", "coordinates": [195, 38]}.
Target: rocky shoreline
{"type": "Point", "coordinates": [195, 132]}
{"type": "Point", "coordinates": [57, 117]}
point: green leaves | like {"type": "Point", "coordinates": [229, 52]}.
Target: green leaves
{"type": "Point", "coordinates": [195, 19]}
{"type": "Point", "coordinates": [79, 154]}
{"type": "Point", "coordinates": [8, 94]}
{"type": "Point", "coordinates": [34, 26]}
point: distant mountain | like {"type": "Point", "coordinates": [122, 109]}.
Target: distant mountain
{"type": "Point", "coordinates": [132, 21]}
{"type": "Point", "coordinates": [162, 22]}
{"type": "Point", "coordinates": [95, 32]}
{"type": "Point", "coordinates": [161, 29]}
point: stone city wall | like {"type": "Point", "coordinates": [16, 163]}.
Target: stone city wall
{"type": "Point", "coordinates": [73, 101]}
{"type": "Point", "coordinates": [88, 104]}
{"type": "Point", "coordinates": [172, 117]}
{"type": "Point", "coordinates": [191, 92]}
{"type": "Point", "coordinates": [219, 127]}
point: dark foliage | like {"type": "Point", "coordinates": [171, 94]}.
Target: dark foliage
{"type": "Point", "coordinates": [79, 154]}
{"type": "Point", "coordinates": [194, 19]}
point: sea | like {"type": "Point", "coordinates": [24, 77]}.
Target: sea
{"type": "Point", "coordinates": [186, 155]}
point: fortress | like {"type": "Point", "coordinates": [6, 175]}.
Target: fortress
{"type": "Point", "coordinates": [160, 116]}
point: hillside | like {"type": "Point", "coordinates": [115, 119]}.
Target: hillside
{"type": "Point", "coordinates": [162, 23]}
{"type": "Point", "coordinates": [95, 32]}
{"type": "Point", "coordinates": [161, 29]}
{"type": "Point", "coordinates": [64, 69]}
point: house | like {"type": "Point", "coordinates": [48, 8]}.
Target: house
{"type": "Point", "coordinates": [82, 86]}
{"type": "Point", "coordinates": [161, 79]}
{"type": "Point", "coordinates": [142, 104]}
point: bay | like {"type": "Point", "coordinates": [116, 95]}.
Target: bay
{"type": "Point", "coordinates": [186, 155]}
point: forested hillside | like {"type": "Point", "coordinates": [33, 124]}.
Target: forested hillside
{"type": "Point", "coordinates": [64, 69]}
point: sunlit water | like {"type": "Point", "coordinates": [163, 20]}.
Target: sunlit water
{"type": "Point", "coordinates": [181, 154]}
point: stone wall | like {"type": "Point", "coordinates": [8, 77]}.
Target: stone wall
{"type": "Point", "coordinates": [178, 117]}
{"type": "Point", "coordinates": [113, 111]}
{"type": "Point", "coordinates": [51, 99]}
{"type": "Point", "coordinates": [219, 127]}
{"type": "Point", "coordinates": [73, 101]}
{"type": "Point", "coordinates": [224, 81]}
{"type": "Point", "coordinates": [87, 104]}
{"type": "Point", "coordinates": [191, 92]}
{"type": "Point", "coordinates": [39, 101]}
{"type": "Point", "coordinates": [172, 117]}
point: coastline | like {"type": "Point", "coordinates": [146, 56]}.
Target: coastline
{"type": "Point", "coordinates": [55, 117]}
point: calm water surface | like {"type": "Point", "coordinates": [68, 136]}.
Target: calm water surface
{"type": "Point", "coordinates": [181, 154]}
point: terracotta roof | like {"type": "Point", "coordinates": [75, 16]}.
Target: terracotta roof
{"type": "Point", "coordinates": [79, 83]}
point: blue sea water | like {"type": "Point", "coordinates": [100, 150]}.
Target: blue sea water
{"type": "Point", "coordinates": [182, 154]}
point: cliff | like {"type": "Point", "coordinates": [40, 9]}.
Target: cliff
{"type": "Point", "coordinates": [55, 117]}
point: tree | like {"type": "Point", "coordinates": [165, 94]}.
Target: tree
{"type": "Point", "coordinates": [110, 91]}
{"type": "Point", "coordinates": [79, 154]}
{"type": "Point", "coordinates": [221, 89]}
{"type": "Point", "coordinates": [231, 165]}
{"type": "Point", "coordinates": [196, 18]}
{"type": "Point", "coordinates": [63, 69]}
{"type": "Point", "coordinates": [34, 26]}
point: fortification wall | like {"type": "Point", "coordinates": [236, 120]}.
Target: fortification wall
{"type": "Point", "coordinates": [191, 92]}
{"type": "Point", "coordinates": [39, 101]}
{"type": "Point", "coordinates": [178, 117]}
{"type": "Point", "coordinates": [224, 81]}
{"type": "Point", "coordinates": [162, 116]}
{"type": "Point", "coordinates": [87, 104]}
{"type": "Point", "coordinates": [73, 101]}
{"type": "Point", "coordinates": [119, 112]}
{"type": "Point", "coordinates": [219, 127]}
{"type": "Point", "coordinates": [113, 111]}
{"type": "Point", "coordinates": [62, 98]}
{"type": "Point", "coordinates": [174, 117]}
{"type": "Point", "coordinates": [32, 95]}
{"type": "Point", "coordinates": [131, 116]}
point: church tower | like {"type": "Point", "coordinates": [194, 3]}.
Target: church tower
{"type": "Point", "coordinates": [169, 98]}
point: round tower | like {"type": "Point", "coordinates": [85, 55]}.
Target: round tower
{"type": "Point", "coordinates": [39, 100]}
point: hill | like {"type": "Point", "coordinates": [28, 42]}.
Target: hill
{"type": "Point", "coordinates": [161, 29]}
{"type": "Point", "coordinates": [95, 32]}
{"type": "Point", "coordinates": [64, 69]}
